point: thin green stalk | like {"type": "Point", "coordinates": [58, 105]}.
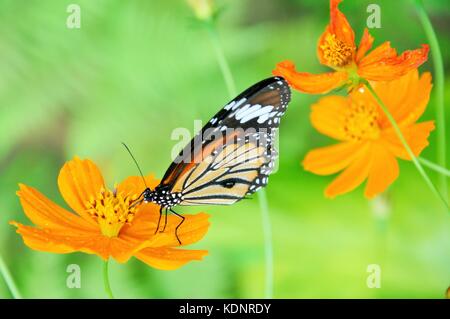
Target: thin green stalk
{"type": "Point", "coordinates": [405, 144]}
{"type": "Point", "coordinates": [435, 167]}
{"type": "Point", "coordinates": [381, 210]}
{"type": "Point", "coordinates": [9, 279]}
{"type": "Point", "coordinates": [267, 229]}
{"type": "Point", "coordinates": [106, 280]}
{"type": "Point", "coordinates": [262, 198]}
{"type": "Point", "coordinates": [222, 61]}
{"type": "Point", "coordinates": [439, 79]}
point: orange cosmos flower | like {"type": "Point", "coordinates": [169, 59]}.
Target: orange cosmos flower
{"type": "Point", "coordinates": [106, 224]}
{"type": "Point", "coordinates": [337, 49]}
{"type": "Point", "coordinates": [369, 146]}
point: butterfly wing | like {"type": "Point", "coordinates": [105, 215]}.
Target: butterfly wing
{"type": "Point", "coordinates": [233, 154]}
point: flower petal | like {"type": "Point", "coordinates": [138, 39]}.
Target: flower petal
{"type": "Point", "coordinates": [193, 229]}
{"type": "Point", "coordinates": [40, 240]}
{"type": "Point", "coordinates": [352, 176]}
{"type": "Point", "coordinates": [144, 223]}
{"type": "Point", "coordinates": [328, 115]}
{"type": "Point", "coordinates": [336, 46]}
{"type": "Point", "coordinates": [63, 241]}
{"type": "Point", "coordinates": [406, 97]}
{"type": "Point", "coordinates": [307, 82]}
{"type": "Point", "coordinates": [416, 136]}
{"type": "Point", "coordinates": [60, 241]}
{"type": "Point", "coordinates": [383, 171]}
{"type": "Point", "coordinates": [169, 258]}
{"type": "Point", "coordinates": [384, 64]}
{"type": "Point", "coordinates": [331, 159]}
{"type": "Point", "coordinates": [364, 45]}
{"type": "Point", "coordinates": [380, 53]}
{"type": "Point", "coordinates": [339, 24]}
{"type": "Point", "coordinates": [135, 184]}
{"type": "Point", "coordinates": [46, 214]}
{"type": "Point", "coordinates": [410, 110]}
{"type": "Point", "coordinates": [78, 181]}
{"type": "Point", "coordinates": [122, 250]}
{"type": "Point", "coordinates": [143, 228]}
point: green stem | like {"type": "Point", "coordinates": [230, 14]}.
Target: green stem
{"type": "Point", "coordinates": [267, 229]}
{"type": "Point", "coordinates": [262, 198]}
{"type": "Point", "coordinates": [439, 90]}
{"type": "Point", "coordinates": [381, 210]}
{"type": "Point", "coordinates": [222, 61]}
{"type": "Point", "coordinates": [106, 279]}
{"type": "Point", "coordinates": [9, 279]}
{"type": "Point", "coordinates": [405, 144]}
{"type": "Point", "coordinates": [435, 167]}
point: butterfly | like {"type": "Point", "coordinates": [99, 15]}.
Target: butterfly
{"type": "Point", "coordinates": [230, 158]}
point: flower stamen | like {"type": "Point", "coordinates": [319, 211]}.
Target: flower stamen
{"type": "Point", "coordinates": [112, 210]}
{"type": "Point", "coordinates": [362, 121]}
{"type": "Point", "coordinates": [336, 52]}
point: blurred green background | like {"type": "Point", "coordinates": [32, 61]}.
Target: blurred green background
{"type": "Point", "coordinates": [136, 70]}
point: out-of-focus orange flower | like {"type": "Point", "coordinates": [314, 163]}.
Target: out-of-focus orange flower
{"type": "Point", "coordinates": [107, 224]}
{"type": "Point", "coordinates": [337, 49]}
{"type": "Point", "coordinates": [369, 146]}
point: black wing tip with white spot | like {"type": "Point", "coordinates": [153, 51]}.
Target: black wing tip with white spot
{"type": "Point", "coordinates": [261, 105]}
{"type": "Point", "coordinates": [271, 81]}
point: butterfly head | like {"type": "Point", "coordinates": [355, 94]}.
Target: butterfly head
{"type": "Point", "coordinates": [148, 195]}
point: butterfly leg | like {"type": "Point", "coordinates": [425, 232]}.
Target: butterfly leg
{"type": "Point", "coordinates": [159, 220]}
{"type": "Point", "coordinates": [165, 222]}
{"type": "Point", "coordinates": [137, 202]}
{"type": "Point", "coordinates": [178, 226]}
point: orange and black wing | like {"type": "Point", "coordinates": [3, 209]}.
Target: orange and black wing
{"type": "Point", "coordinates": [233, 154]}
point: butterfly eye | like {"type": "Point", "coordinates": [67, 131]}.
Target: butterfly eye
{"type": "Point", "coordinates": [229, 183]}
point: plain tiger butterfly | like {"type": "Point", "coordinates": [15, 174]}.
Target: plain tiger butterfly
{"type": "Point", "coordinates": [231, 157]}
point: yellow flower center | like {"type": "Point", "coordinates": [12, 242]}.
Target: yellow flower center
{"type": "Point", "coordinates": [335, 52]}
{"type": "Point", "coordinates": [111, 210]}
{"type": "Point", "coordinates": [361, 121]}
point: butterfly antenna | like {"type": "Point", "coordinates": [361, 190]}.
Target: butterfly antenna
{"type": "Point", "coordinates": [135, 162]}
